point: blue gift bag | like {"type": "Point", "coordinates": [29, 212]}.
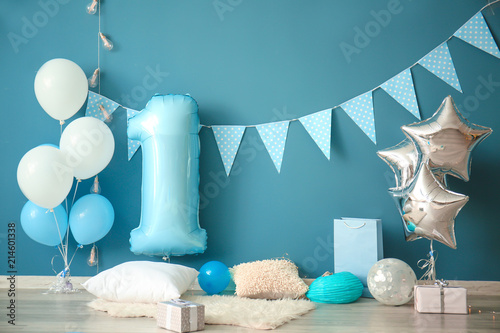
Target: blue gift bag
{"type": "Point", "coordinates": [357, 245]}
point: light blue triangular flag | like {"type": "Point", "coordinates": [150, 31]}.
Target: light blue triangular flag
{"type": "Point", "coordinates": [477, 33]}
{"type": "Point", "coordinates": [228, 140]}
{"type": "Point", "coordinates": [439, 63]}
{"type": "Point", "coordinates": [402, 90]}
{"type": "Point", "coordinates": [360, 109]}
{"type": "Point", "coordinates": [274, 137]}
{"type": "Point", "coordinates": [100, 107]}
{"type": "Point", "coordinates": [133, 145]}
{"type": "Point", "coordinates": [319, 127]}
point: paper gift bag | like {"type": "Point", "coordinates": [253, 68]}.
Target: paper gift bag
{"type": "Point", "coordinates": [357, 246]}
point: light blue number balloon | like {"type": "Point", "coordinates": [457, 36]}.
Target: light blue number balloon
{"type": "Point", "coordinates": [168, 131]}
{"type": "Point", "coordinates": [41, 226]}
{"type": "Point", "coordinates": [91, 218]}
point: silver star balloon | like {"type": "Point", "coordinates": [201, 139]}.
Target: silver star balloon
{"type": "Point", "coordinates": [428, 209]}
{"type": "Point", "coordinates": [447, 139]}
{"type": "Point", "coordinates": [403, 159]}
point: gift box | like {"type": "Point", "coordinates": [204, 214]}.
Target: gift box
{"type": "Point", "coordinates": [440, 299]}
{"type": "Point", "coordinates": [357, 245]}
{"type": "Point", "coordinates": [181, 316]}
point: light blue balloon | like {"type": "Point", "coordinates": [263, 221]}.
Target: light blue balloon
{"type": "Point", "coordinates": [168, 131]}
{"type": "Point", "coordinates": [91, 218]}
{"type": "Point", "coordinates": [41, 226]}
{"type": "Point", "coordinates": [214, 277]}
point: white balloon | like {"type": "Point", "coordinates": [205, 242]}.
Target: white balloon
{"type": "Point", "coordinates": [89, 146]}
{"type": "Point", "coordinates": [43, 176]}
{"type": "Point", "coordinates": [61, 88]}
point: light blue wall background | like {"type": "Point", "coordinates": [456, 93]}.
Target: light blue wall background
{"type": "Point", "coordinates": [259, 62]}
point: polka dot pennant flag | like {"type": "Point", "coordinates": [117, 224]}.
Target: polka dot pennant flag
{"type": "Point", "coordinates": [402, 90]}
{"type": "Point", "coordinates": [439, 63]}
{"type": "Point", "coordinates": [274, 137]}
{"type": "Point", "coordinates": [360, 109]}
{"type": "Point", "coordinates": [319, 127]}
{"type": "Point", "coordinates": [477, 33]}
{"type": "Point", "coordinates": [100, 107]}
{"type": "Point", "coordinates": [228, 140]}
{"type": "Point", "coordinates": [133, 145]}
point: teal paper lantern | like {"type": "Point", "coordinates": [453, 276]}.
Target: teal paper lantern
{"type": "Point", "coordinates": [339, 288]}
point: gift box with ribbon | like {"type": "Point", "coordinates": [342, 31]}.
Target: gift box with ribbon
{"type": "Point", "coordinates": [440, 298]}
{"type": "Point", "coordinates": [181, 316]}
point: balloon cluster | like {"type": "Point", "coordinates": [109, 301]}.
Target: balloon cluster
{"type": "Point", "coordinates": [45, 173]}
{"type": "Point", "coordinates": [438, 146]}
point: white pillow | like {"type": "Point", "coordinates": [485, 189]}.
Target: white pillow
{"type": "Point", "coordinates": [141, 282]}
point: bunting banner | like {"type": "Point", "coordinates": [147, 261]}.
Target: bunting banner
{"type": "Point", "coordinates": [319, 127]}
{"type": "Point", "coordinates": [476, 33]}
{"type": "Point", "coordinates": [228, 140]}
{"type": "Point", "coordinates": [100, 107]}
{"type": "Point", "coordinates": [439, 63]}
{"type": "Point", "coordinates": [402, 90]}
{"type": "Point", "coordinates": [360, 109]}
{"type": "Point", "coordinates": [274, 137]}
{"type": "Point", "coordinates": [133, 145]}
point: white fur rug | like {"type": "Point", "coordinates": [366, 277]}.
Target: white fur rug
{"type": "Point", "coordinates": [221, 310]}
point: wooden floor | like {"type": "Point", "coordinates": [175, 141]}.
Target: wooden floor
{"type": "Point", "coordinates": [37, 312]}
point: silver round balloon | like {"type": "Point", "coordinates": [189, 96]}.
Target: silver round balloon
{"type": "Point", "coordinates": [391, 281]}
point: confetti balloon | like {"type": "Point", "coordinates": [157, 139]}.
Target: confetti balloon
{"type": "Point", "coordinates": [391, 281]}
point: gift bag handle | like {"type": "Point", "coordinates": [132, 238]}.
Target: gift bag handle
{"type": "Point", "coordinates": [361, 226]}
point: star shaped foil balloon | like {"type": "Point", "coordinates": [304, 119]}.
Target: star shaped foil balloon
{"type": "Point", "coordinates": [403, 159]}
{"type": "Point", "coordinates": [428, 209]}
{"type": "Point", "coordinates": [447, 139]}
{"type": "Point", "coordinates": [434, 148]}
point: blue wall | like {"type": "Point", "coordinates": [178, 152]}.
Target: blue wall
{"type": "Point", "coordinates": [259, 61]}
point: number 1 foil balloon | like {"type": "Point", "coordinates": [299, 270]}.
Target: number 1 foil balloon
{"type": "Point", "coordinates": [168, 132]}
{"type": "Point", "coordinates": [447, 139]}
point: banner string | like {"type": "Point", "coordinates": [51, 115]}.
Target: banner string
{"type": "Point", "coordinates": [334, 107]}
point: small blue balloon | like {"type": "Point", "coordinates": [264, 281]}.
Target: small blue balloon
{"type": "Point", "coordinates": [91, 218]}
{"type": "Point", "coordinates": [214, 277]}
{"type": "Point", "coordinates": [41, 226]}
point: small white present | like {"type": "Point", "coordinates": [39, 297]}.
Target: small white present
{"type": "Point", "coordinates": [440, 299]}
{"type": "Point", "coordinates": [181, 316]}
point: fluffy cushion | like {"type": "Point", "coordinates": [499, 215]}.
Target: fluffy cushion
{"type": "Point", "coordinates": [268, 279]}
{"type": "Point", "coordinates": [141, 282]}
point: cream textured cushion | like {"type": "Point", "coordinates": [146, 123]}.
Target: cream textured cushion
{"type": "Point", "coordinates": [141, 282]}
{"type": "Point", "coordinates": [268, 279]}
